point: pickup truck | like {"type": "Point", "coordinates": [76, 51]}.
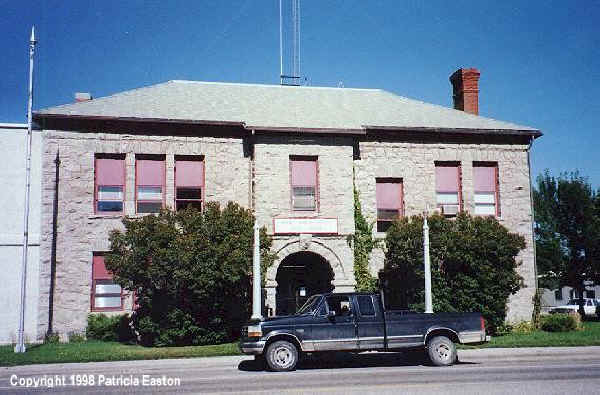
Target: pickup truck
{"type": "Point", "coordinates": [358, 322]}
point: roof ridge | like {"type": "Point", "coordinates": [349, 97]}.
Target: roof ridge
{"type": "Point", "coordinates": [270, 85]}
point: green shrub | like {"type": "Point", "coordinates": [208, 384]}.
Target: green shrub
{"type": "Point", "coordinates": [51, 338]}
{"type": "Point", "coordinates": [192, 273]}
{"type": "Point", "coordinates": [473, 265]}
{"type": "Point", "coordinates": [76, 337]}
{"type": "Point", "coordinates": [523, 327]}
{"type": "Point", "coordinates": [559, 322]}
{"type": "Point", "coordinates": [113, 328]}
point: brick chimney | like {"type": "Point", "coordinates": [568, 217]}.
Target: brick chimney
{"type": "Point", "coordinates": [82, 96]}
{"type": "Point", "coordinates": [465, 90]}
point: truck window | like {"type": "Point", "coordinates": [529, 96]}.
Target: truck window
{"type": "Point", "coordinates": [340, 304]}
{"type": "Point", "coordinates": [365, 305]}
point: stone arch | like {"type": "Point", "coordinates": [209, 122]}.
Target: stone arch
{"type": "Point", "coordinates": [298, 245]}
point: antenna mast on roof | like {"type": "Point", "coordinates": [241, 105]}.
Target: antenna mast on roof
{"type": "Point", "coordinates": [291, 75]}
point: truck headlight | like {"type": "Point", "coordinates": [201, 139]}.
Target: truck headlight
{"type": "Point", "coordinates": [254, 331]}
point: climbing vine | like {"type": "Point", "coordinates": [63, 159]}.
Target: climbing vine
{"type": "Point", "coordinates": [363, 242]}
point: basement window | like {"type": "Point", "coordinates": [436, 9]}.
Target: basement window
{"type": "Point", "coordinates": [106, 294]}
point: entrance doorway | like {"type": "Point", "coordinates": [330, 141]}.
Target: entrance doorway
{"type": "Point", "coordinates": [299, 276]}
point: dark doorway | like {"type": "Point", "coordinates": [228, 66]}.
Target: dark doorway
{"type": "Point", "coordinates": [299, 276]}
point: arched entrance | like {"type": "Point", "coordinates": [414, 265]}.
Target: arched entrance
{"type": "Point", "coordinates": [299, 276]}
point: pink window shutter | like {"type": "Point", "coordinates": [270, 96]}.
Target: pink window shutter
{"type": "Point", "coordinates": [99, 269]}
{"type": "Point", "coordinates": [389, 196]}
{"type": "Point", "coordinates": [446, 178]}
{"type": "Point", "coordinates": [189, 173]}
{"type": "Point", "coordinates": [110, 172]}
{"type": "Point", "coordinates": [484, 178]}
{"type": "Point", "coordinates": [150, 172]}
{"type": "Point", "coordinates": [304, 173]}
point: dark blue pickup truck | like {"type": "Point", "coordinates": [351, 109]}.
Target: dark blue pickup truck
{"type": "Point", "coordinates": [358, 322]}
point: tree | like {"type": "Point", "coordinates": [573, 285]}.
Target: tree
{"type": "Point", "coordinates": [473, 265]}
{"type": "Point", "coordinates": [567, 231]}
{"type": "Point", "coordinates": [191, 272]}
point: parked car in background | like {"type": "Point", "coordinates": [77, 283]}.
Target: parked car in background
{"type": "Point", "coordinates": [589, 307]}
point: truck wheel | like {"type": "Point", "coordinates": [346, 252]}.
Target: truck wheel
{"type": "Point", "coordinates": [282, 356]}
{"type": "Point", "coordinates": [441, 351]}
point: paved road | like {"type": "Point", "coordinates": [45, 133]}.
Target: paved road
{"type": "Point", "coordinates": [493, 371]}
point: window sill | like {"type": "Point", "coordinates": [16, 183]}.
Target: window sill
{"type": "Point", "coordinates": [106, 216]}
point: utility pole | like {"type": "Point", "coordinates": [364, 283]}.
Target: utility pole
{"type": "Point", "coordinates": [426, 259]}
{"type": "Point", "coordinates": [256, 294]}
{"type": "Point", "coordinates": [20, 346]}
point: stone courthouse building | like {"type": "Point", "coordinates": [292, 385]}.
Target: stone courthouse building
{"type": "Point", "coordinates": [292, 154]}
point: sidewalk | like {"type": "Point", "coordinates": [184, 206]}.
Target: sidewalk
{"type": "Point", "coordinates": [475, 355]}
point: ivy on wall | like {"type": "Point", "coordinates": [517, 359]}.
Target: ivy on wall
{"type": "Point", "coordinates": [363, 242]}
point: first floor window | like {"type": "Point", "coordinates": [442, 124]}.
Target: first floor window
{"type": "Point", "coordinates": [189, 182]}
{"type": "Point", "coordinates": [106, 294]}
{"type": "Point", "coordinates": [485, 182]}
{"type": "Point", "coordinates": [390, 205]}
{"type": "Point", "coordinates": [150, 180]}
{"type": "Point", "coordinates": [304, 183]}
{"type": "Point", "coordinates": [109, 183]}
{"type": "Point", "coordinates": [448, 188]}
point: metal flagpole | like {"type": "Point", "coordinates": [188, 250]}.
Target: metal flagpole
{"type": "Point", "coordinates": [428, 301]}
{"type": "Point", "coordinates": [256, 296]}
{"type": "Point", "coordinates": [20, 346]}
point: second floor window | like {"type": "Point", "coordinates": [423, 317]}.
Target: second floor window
{"type": "Point", "coordinates": [189, 182]}
{"type": "Point", "coordinates": [304, 184]}
{"type": "Point", "coordinates": [109, 184]}
{"type": "Point", "coordinates": [485, 182]}
{"type": "Point", "coordinates": [389, 202]}
{"type": "Point", "coordinates": [448, 187]}
{"type": "Point", "coordinates": [150, 185]}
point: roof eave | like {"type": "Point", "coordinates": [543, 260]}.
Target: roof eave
{"type": "Point", "coordinates": [515, 132]}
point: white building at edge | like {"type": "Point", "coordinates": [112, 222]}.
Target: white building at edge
{"type": "Point", "coordinates": [13, 145]}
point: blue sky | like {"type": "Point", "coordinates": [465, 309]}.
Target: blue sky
{"type": "Point", "coordinates": [539, 60]}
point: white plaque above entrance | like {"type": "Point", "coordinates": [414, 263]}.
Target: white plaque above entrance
{"type": "Point", "coordinates": [305, 225]}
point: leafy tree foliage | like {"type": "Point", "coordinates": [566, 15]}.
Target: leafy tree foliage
{"type": "Point", "coordinates": [567, 231]}
{"type": "Point", "coordinates": [191, 271]}
{"type": "Point", "coordinates": [473, 265]}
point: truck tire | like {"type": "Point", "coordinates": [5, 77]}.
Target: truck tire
{"type": "Point", "coordinates": [441, 351]}
{"type": "Point", "coordinates": [282, 356]}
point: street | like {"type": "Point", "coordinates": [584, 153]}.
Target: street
{"type": "Point", "coordinates": [492, 371]}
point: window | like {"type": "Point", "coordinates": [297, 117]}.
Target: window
{"type": "Point", "coordinates": [304, 183]}
{"type": "Point", "coordinates": [150, 185]}
{"type": "Point", "coordinates": [189, 182]}
{"type": "Point", "coordinates": [339, 304]}
{"type": "Point", "coordinates": [448, 187]}
{"type": "Point", "coordinates": [109, 183]}
{"type": "Point", "coordinates": [558, 294]}
{"type": "Point", "coordinates": [106, 295]}
{"type": "Point", "coordinates": [485, 182]}
{"type": "Point", "coordinates": [590, 294]}
{"type": "Point", "coordinates": [365, 305]}
{"type": "Point", "coordinates": [390, 205]}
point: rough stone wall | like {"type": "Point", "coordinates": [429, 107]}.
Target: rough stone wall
{"type": "Point", "coordinates": [80, 231]}
{"type": "Point", "coordinates": [414, 163]}
{"type": "Point", "coordinates": [273, 199]}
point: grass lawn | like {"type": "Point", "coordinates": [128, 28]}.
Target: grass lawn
{"type": "Point", "coordinates": [590, 336]}
{"type": "Point", "coordinates": [95, 351]}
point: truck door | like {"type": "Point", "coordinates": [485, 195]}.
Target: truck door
{"type": "Point", "coordinates": [369, 318]}
{"type": "Point", "coordinates": [335, 331]}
